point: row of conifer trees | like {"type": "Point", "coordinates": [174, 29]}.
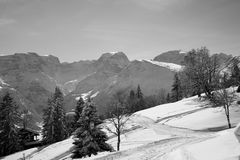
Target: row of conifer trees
{"type": "Point", "coordinates": [89, 139]}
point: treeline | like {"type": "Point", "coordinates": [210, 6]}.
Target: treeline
{"type": "Point", "coordinates": [210, 77]}
{"type": "Point", "coordinates": [89, 139]}
{"type": "Point", "coordinates": [84, 124]}
{"type": "Point", "coordinates": [9, 118]}
{"type": "Point", "coordinates": [11, 122]}
{"type": "Point", "coordinates": [205, 73]}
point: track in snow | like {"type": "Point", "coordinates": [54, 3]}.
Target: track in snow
{"type": "Point", "coordinates": [152, 151]}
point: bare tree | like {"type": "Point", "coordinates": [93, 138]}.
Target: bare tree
{"type": "Point", "coordinates": [202, 70]}
{"type": "Point", "coordinates": [225, 97]}
{"type": "Point", "coordinates": [118, 117]}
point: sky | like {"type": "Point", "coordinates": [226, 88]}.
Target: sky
{"type": "Point", "coordinates": [84, 29]}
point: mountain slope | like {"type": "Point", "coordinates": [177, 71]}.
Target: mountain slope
{"type": "Point", "coordinates": [34, 77]}
{"type": "Point", "coordinates": [161, 140]}
{"type": "Point", "coordinates": [151, 77]}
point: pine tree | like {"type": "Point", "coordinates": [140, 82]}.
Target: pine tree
{"type": "Point", "coordinates": [54, 128]}
{"type": "Point", "coordinates": [131, 102]}
{"type": "Point", "coordinates": [47, 131]}
{"type": "Point", "coordinates": [139, 92]}
{"type": "Point", "coordinates": [132, 95]}
{"type": "Point", "coordinates": [235, 75]}
{"type": "Point", "coordinates": [9, 117]}
{"type": "Point", "coordinates": [89, 138]}
{"type": "Point", "coordinates": [79, 108]}
{"type": "Point", "coordinates": [72, 125]}
{"type": "Point", "coordinates": [140, 104]}
{"type": "Point", "coordinates": [168, 98]}
{"type": "Point", "coordinates": [176, 88]}
{"type": "Point", "coordinates": [59, 120]}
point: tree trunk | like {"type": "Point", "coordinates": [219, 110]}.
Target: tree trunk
{"type": "Point", "coordinates": [118, 142]}
{"type": "Point", "coordinates": [228, 116]}
{"type": "Point", "coordinates": [229, 123]}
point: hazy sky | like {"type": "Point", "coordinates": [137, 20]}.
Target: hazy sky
{"type": "Point", "coordinates": [84, 29]}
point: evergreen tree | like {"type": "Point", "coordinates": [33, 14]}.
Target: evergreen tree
{"type": "Point", "coordinates": [72, 124]}
{"type": "Point", "coordinates": [47, 131]}
{"type": "Point", "coordinates": [139, 93]}
{"type": "Point", "coordinates": [235, 75]}
{"type": "Point", "coordinates": [168, 98]}
{"type": "Point", "coordinates": [54, 128]}
{"type": "Point", "coordinates": [59, 127]}
{"type": "Point", "coordinates": [131, 101]}
{"type": "Point", "coordinates": [79, 108]}
{"type": "Point", "coordinates": [9, 117]}
{"type": "Point", "coordinates": [89, 138]}
{"type": "Point", "coordinates": [132, 95]}
{"type": "Point", "coordinates": [140, 103]}
{"type": "Point", "coordinates": [176, 88]}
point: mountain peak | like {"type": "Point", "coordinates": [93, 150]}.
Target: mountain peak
{"type": "Point", "coordinates": [113, 56]}
{"type": "Point", "coordinates": [104, 56]}
{"type": "Point", "coordinates": [174, 56]}
{"type": "Point", "coordinates": [119, 54]}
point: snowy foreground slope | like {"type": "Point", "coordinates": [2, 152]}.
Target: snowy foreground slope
{"type": "Point", "coordinates": [174, 131]}
{"type": "Point", "coordinates": [223, 147]}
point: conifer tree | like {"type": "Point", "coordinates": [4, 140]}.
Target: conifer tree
{"type": "Point", "coordinates": [140, 104]}
{"type": "Point", "coordinates": [9, 117]}
{"type": "Point", "coordinates": [47, 131]}
{"type": "Point", "coordinates": [132, 95]}
{"type": "Point", "coordinates": [72, 125]}
{"type": "Point", "coordinates": [79, 108]}
{"type": "Point", "coordinates": [176, 88]}
{"type": "Point", "coordinates": [59, 120]}
{"type": "Point", "coordinates": [89, 138]}
{"type": "Point", "coordinates": [54, 128]}
{"type": "Point", "coordinates": [139, 92]}
{"type": "Point", "coordinates": [168, 98]}
{"type": "Point", "coordinates": [131, 101]}
{"type": "Point", "coordinates": [235, 75]}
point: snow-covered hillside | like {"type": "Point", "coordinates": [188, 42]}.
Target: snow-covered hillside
{"type": "Point", "coordinates": [174, 131]}
{"type": "Point", "coordinates": [222, 147]}
{"type": "Point", "coordinates": [171, 66]}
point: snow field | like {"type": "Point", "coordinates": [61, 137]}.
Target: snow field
{"type": "Point", "coordinates": [223, 147]}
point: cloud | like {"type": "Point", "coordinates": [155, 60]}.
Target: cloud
{"type": "Point", "coordinates": [5, 21]}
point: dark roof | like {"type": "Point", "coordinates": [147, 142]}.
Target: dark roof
{"type": "Point", "coordinates": [29, 130]}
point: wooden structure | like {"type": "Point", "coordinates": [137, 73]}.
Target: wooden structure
{"type": "Point", "coordinates": [29, 138]}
